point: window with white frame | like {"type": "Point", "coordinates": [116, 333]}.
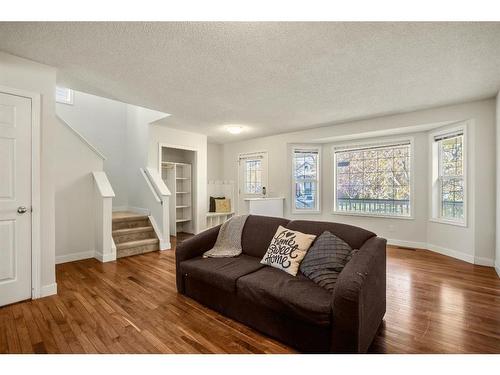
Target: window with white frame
{"type": "Point", "coordinates": [64, 95]}
{"type": "Point", "coordinates": [373, 179]}
{"type": "Point", "coordinates": [253, 170]}
{"type": "Point", "coordinates": [306, 179]}
{"type": "Point", "coordinates": [448, 176]}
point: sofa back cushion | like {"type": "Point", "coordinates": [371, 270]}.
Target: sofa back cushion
{"type": "Point", "coordinates": [354, 236]}
{"type": "Point", "coordinates": [258, 233]}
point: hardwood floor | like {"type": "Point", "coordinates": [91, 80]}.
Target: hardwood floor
{"type": "Point", "coordinates": [435, 304]}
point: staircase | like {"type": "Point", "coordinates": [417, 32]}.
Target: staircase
{"type": "Point", "coordinates": [133, 234]}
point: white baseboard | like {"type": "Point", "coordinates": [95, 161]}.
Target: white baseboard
{"type": "Point", "coordinates": [156, 228]}
{"type": "Point", "coordinates": [497, 268]}
{"type": "Point", "coordinates": [120, 208]}
{"type": "Point", "coordinates": [48, 290]}
{"type": "Point", "coordinates": [481, 261]}
{"type": "Point", "coordinates": [136, 210]}
{"type": "Point", "coordinates": [165, 245]}
{"type": "Point", "coordinates": [451, 253]}
{"type": "Point", "coordinates": [109, 257]}
{"type": "Point", "coordinates": [139, 210]}
{"type": "Point", "coordinates": [74, 256]}
{"type": "Point", "coordinates": [412, 244]}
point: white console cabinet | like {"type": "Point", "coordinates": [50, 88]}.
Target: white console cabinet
{"type": "Point", "coordinates": [266, 206]}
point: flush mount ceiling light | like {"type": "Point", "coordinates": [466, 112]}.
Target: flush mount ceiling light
{"type": "Point", "coordinates": [234, 129]}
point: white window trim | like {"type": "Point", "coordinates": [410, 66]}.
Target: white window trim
{"type": "Point", "coordinates": [265, 172]}
{"type": "Point", "coordinates": [434, 201]}
{"type": "Point", "coordinates": [317, 209]}
{"type": "Point", "coordinates": [367, 143]}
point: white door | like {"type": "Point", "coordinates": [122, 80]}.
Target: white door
{"type": "Point", "coordinates": [15, 198]}
{"type": "Point", "coordinates": [252, 178]}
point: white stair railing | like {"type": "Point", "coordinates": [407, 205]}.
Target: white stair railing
{"type": "Point", "coordinates": [105, 247]}
{"type": "Point", "coordinates": [154, 196]}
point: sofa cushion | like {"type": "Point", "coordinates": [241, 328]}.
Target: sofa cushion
{"type": "Point", "coordinates": [295, 296]}
{"type": "Point", "coordinates": [220, 272]}
{"type": "Point", "coordinates": [258, 232]}
{"type": "Point", "coordinates": [354, 236]}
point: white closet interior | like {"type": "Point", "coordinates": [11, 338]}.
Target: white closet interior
{"type": "Point", "coordinates": [177, 172]}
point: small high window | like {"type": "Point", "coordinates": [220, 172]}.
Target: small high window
{"type": "Point", "coordinates": [64, 95]}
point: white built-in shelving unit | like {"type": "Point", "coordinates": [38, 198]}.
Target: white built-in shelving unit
{"type": "Point", "coordinates": [220, 189]}
{"type": "Point", "coordinates": [178, 178]}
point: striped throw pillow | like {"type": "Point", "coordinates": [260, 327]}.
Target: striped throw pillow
{"type": "Point", "coordinates": [325, 260]}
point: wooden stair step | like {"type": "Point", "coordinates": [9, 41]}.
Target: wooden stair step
{"type": "Point", "coordinates": [129, 218]}
{"type": "Point", "coordinates": [131, 222]}
{"type": "Point", "coordinates": [120, 232]}
{"type": "Point", "coordinates": [133, 234]}
{"type": "Point", "coordinates": [130, 248]}
{"type": "Point", "coordinates": [129, 244]}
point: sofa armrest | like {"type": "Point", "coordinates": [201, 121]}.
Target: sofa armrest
{"type": "Point", "coordinates": [191, 248]}
{"type": "Point", "coordinates": [359, 300]}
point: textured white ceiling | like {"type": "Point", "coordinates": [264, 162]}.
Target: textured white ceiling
{"type": "Point", "coordinates": [270, 77]}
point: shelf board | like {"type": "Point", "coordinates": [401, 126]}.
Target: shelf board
{"type": "Point", "coordinates": [182, 220]}
{"type": "Point", "coordinates": [182, 192]}
{"type": "Point", "coordinates": [182, 178]}
{"type": "Point", "coordinates": [183, 206]}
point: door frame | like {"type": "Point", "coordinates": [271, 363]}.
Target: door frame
{"type": "Point", "coordinates": [35, 185]}
{"type": "Point", "coordinates": [194, 177]}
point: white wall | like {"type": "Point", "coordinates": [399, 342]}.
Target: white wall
{"type": "Point", "coordinates": [137, 148]}
{"type": "Point", "coordinates": [120, 132]}
{"type": "Point", "coordinates": [27, 75]}
{"type": "Point", "coordinates": [497, 252]}
{"type": "Point", "coordinates": [103, 123]}
{"type": "Point", "coordinates": [215, 161]}
{"type": "Point", "coordinates": [161, 133]}
{"type": "Point", "coordinates": [476, 242]}
{"type": "Point", "coordinates": [75, 234]}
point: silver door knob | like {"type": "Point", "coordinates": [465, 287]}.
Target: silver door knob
{"type": "Point", "coordinates": [21, 210]}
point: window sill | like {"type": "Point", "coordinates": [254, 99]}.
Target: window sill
{"type": "Point", "coordinates": [449, 222]}
{"type": "Point", "coordinates": [374, 216]}
{"type": "Point", "coordinates": [305, 212]}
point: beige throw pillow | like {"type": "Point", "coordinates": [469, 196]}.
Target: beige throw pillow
{"type": "Point", "coordinates": [287, 249]}
{"type": "Point", "coordinates": [223, 205]}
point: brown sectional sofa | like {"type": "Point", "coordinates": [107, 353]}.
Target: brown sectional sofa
{"type": "Point", "coordinates": [291, 309]}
